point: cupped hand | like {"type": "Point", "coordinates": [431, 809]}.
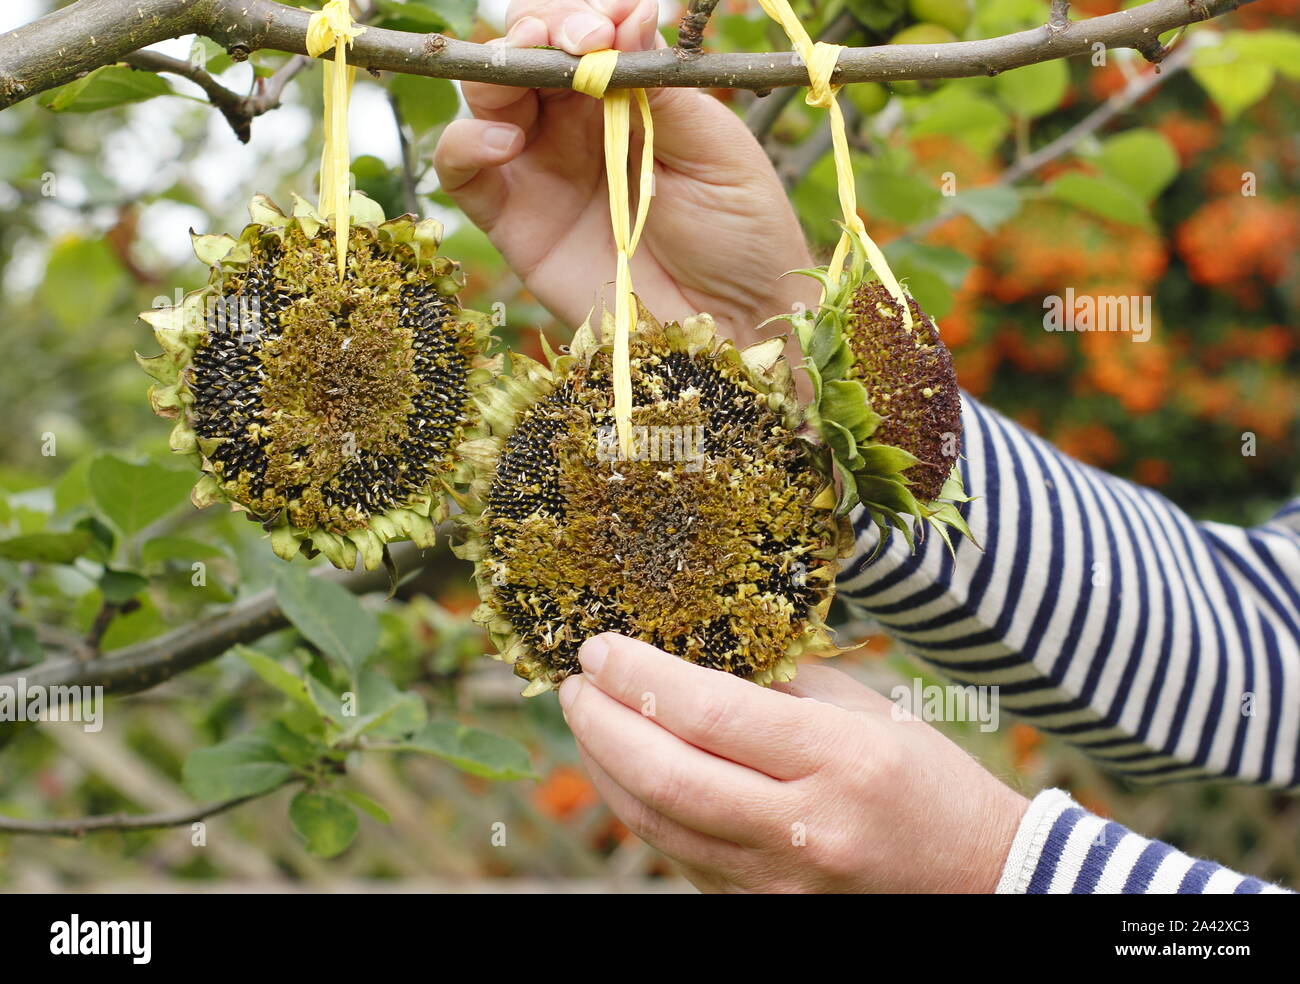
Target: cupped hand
{"type": "Point", "coordinates": [528, 169]}
{"type": "Point", "coordinates": [812, 786]}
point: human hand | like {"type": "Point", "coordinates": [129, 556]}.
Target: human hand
{"type": "Point", "coordinates": [528, 169]}
{"type": "Point", "coordinates": [815, 787]}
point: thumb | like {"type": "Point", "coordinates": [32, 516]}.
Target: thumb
{"type": "Point", "coordinates": [468, 159]}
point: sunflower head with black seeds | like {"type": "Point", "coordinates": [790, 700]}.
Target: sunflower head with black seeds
{"type": "Point", "coordinates": [329, 410]}
{"type": "Point", "coordinates": [715, 539]}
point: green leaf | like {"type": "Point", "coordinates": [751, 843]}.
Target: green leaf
{"type": "Point", "coordinates": [1277, 48]}
{"type": "Point", "coordinates": [70, 490]}
{"type": "Point", "coordinates": [328, 704]}
{"type": "Point", "coordinates": [989, 207]}
{"type": "Point", "coordinates": [209, 56]}
{"type": "Point", "coordinates": [877, 14]}
{"type": "Point", "coordinates": [816, 202]}
{"type": "Point", "coordinates": [112, 85]}
{"type": "Point", "coordinates": [424, 102]}
{"type": "Point", "coordinates": [480, 753]}
{"type": "Point", "coordinates": [379, 182]}
{"type": "Point", "coordinates": [935, 297]}
{"type": "Point", "coordinates": [366, 805]}
{"type": "Point", "coordinates": [328, 616]}
{"type": "Point", "coordinates": [932, 273]}
{"type": "Point", "coordinates": [1143, 159]}
{"type": "Point", "coordinates": [1033, 90]}
{"type": "Point", "coordinates": [161, 549]}
{"type": "Point", "coordinates": [1102, 196]}
{"type": "Point", "coordinates": [101, 549]}
{"type": "Point", "coordinates": [82, 279]}
{"type": "Point", "coordinates": [997, 17]}
{"type": "Point", "coordinates": [119, 587]}
{"type": "Point", "coordinates": [19, 646]}
{"type": "Point", "coordinates": [383, 710]}
{"type": "Point", "coordinates": [243, 766]}
{"type": "Point", "coordinates": [47, 548]}
{"type": "Point", "coordinates": [976, 121]}
{"type": "Point", "coordinates": [145, 622]}
{"type": "Point", "coordinates": [741, 33]}
{"type": "Point", "coordinates": [424, 16]}
{"type": "Point", "coordinates": [326, 822]}
{"type": "Point", "coordinates": [306, 722]}
{"type": "Point", "coordinates": [902, 198]}
{"type": "Point", "coordinates": [289, 684]}
{"type": "Point", "coordinates": [1234, 75]}
{"type": "Point", "coordinates": [294, 748]}
{"type": "Point", "coordinates": [133, 496]}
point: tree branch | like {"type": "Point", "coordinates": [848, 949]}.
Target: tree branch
{"type": "Point", "coordinates": [765, 112]}
{"type": "Point", "coordinates": [1120, 102]}
{"type": "Point", "coordinates": [89, 33]}
{"type": "Point", "coordinates": [1060, 17]}
{"type": "Point", "coordinates": [267, 92]}
{"type": "Point", "coordinates": [78, 38]}
{"type": "Point", "coordinates": [1179, 58]}
{"type": "Point", "coordinates": [126, 821]}
{"type": "Point", "coordinates": [410, 200]}
{"type": "Point", "coordinates": [237, 110]}
{"type": "Point", "coordinates": [690, 33]}
{"type": "Point", "coordinates": [146, 664]}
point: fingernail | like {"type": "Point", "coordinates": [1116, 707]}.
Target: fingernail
{"type": "Point", "coordinates": [519, 27]}
{"type": "Point", "coordinates": [576, 32]}
{"type": "Point", "coordinates": [604, 6]}
{"type": "Point", "coordinates": [592, 655]}
{"type": "Point", "coordinates": [650, 28]}
{"type": "Point", "coordinates": [569, 692]}
{"type": "Point", "coordinates": [500, 136]}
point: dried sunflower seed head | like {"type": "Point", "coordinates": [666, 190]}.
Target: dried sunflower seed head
{"type": "Point", "coordinates": [716, 540]}
{"type": "Point", "coordinates": [908, 375]}
{"type": "Point", "coordinates": [328, 410]}
{"type": "Point", "coordinates": [885, 401]}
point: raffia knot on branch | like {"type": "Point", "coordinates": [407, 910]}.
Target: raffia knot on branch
{"type": "Point", "coordinates": [820, 58]}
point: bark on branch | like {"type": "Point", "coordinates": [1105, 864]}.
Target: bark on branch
{"type": "Point", "coordinates": [237, 110]}
{"type": "Point", "coordinates": [139, 667]}
{"type": "Point", "coordinates": [81, 826]}
{"type": "Point", "coordinates": [84, 35]}
{"type": "Point", "coordinates": [690, 33]}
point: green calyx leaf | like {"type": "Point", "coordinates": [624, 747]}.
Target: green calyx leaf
{"type": "Point", "coordinates": [845, 402]}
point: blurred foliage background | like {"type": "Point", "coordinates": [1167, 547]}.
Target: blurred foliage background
{"type": "Point", "coordinates": [1187, 194]}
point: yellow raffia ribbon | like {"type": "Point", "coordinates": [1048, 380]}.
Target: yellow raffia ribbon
{"type": "Point", "coordinates": [592, 77]}
{"type": "Point", "coordinates": [821, 58]}
{"type": "Point", "coordinates": [332, 27]}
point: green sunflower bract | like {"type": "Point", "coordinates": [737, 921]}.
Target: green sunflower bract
{"type": "Point", "coordinates": [328, 410]}
{"type": "Point", "coordinates": [885, 400]}
{"type": "Point", "coordinates": [716, 540]}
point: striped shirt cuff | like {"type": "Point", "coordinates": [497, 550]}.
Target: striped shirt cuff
{"type": "Point", "coordinates": [1062, 849]}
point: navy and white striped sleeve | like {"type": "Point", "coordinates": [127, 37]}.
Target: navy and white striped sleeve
{"type": "Point", "coordinates": [1164, 648]}
{"type": "Point", "coordinates": [1060, 848]}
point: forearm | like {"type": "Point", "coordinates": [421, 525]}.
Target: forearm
{"type": "Point", "coordinates": [1166, 649]}
{"type": "Point", "coordinates": [1062, 849]}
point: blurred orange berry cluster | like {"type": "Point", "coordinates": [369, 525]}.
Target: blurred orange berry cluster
{"type": "Point", "coordinates": [1221, 265]}
{"type": "Point", "coordinates": [1239, 243]}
